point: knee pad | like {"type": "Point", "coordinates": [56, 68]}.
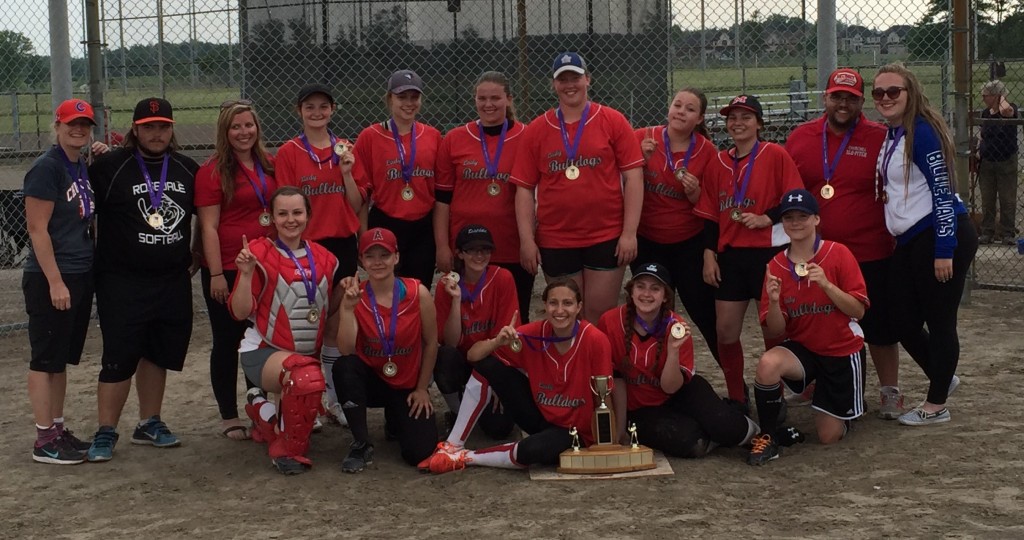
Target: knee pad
{"type": "Point", "coordinates": [300, 403]}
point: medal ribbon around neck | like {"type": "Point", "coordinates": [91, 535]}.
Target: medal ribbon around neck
{"type": "Point", "coordinates": [792, 265]}
{"type": "Point", "coordinates": [740, 189]}
{"type": "Point", "coordinates": [310, 283]}
{"type": "Point", "coordinates": [658, 330]}
{"type": "Point", "coordinates": [156, 193]}
{"type": "Point", "coordinates": [472, 296]}
{"type": "Point", "coordinates": [312, 155]}
{"type": "Point", "coordinates": [81, 179]}
{"type": "Point", "coordinates": [890, 150]}
{"type": "Point", "coordinates": [387, 338]}
{"type": "Point", "coordinates": [668, 151]}
{"type": "Point", "coordinates": [830, 168]}
{"type": "Point", "coordinates": [571, 151]}
{"type": "Point", "coordinates": [548, 340]}
{"type": "Point", "coordinates": [408, 165]}
{"type": "Point", "coordinates": [491, 167]}
{"type": "Point", "coordinates": [261, 190]}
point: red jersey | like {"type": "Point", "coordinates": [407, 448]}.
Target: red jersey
{"type": "Point", "coordinates": [382, 174]}
{"type": "Point", "coordinates": [280, 303]}
{"type": "Point", "coordinates": [588, 210]}
{"type": "Point", "coordinates": [408, 353]}
{"type": "Point", "coordinates": [668, 215]}
{"type": "Point", "coordinates": [643, 366]}
{"type": "Point", "coordinates": [239, 216]}
{"type": "Point", "coordinates": [561, 382]}
{"type": "Point", "coordinates": [492, 308]}
{"type": "Point", "coordinates": [773, 175]}
{"type": "Point", "coordinates": [461, 170]}
{"type": "Point", "coordinates": [854, 215]}
{"type": "Point", "coordinates": [333, 216]}
{"type": "Point", "coordinates": [812, 319]}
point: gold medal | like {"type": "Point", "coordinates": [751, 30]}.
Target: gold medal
{"type": "Point", "coordinates": [313, 316]}
{"type": "Point", "coordinates": [885, 197]}
{"type": "Point", "coordinates": [265, 219]}
{"type": "Point", "coordinates": [516, 345]}
{"type": "Point", "coordinates": [340, 148]}
{"type": "Point", "coordinates": [493, 189]}
{"type": "Point", "coordinates": [572, 172]}
{"type": "Point", "coordinates": [680, 173]}
{"type": "Point", "coordinates": [155, 220]}
{"type": "Point", "coordinates": [407, 193]}
{"type": "Point", "coordinates": [678, 331]}
{"type": "Point", "coordinates": [827, 191]}
{"type": "Point", "coordinates": [801, 269]}
{"type": "Point", "coordinates": [454, 277]}
{"type": "Point", "coordinates": [390, 369]}
{"type": "Point", "coordinates": [736, 214]}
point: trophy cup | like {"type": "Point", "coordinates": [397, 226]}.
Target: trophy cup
{"type": "Point", "coordinates": [603, 424]}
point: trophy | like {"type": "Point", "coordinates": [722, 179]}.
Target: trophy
{"type": "Point", "coordinates": [603, 424]}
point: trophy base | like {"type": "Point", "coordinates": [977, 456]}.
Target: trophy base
{"type": "Point", "coordinates": [606, 459]}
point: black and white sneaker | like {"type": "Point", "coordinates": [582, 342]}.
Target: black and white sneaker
{"type": "Point", "coordinates": [58, 452]}
{"type": "Point", "coordinates": [360, 455]}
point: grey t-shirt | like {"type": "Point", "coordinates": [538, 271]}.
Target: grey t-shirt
{"type": "Point", "coordinates": [50, 180]}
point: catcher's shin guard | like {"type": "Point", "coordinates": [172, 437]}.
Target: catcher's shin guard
{"type": "Point", "coordinates": [300, 403]}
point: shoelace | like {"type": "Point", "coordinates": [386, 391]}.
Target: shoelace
{"type": "Point", "coordinates": [759, 444]}
{"type": "Point", "coordinates": [159, 428]}
{"type": "Point", "coordinates": [103, 439]}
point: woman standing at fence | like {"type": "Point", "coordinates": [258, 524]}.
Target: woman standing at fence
{"type": "Point", "coordinates": [580, 190]}
{"type": "Point", "coordinates": [473, 167]}
{"type": "Point", "coordinates": [935, 241]}
{"type": "Point", "coordinates": [57, 281]}
{"type": "Point", "coordinates": [675, 158]}
{"type": "Point", "coordinates": [398, 157]}
{"type": "Point", "coordinates": [233, 191]}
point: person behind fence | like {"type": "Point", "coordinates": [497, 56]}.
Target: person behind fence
{"type": "Point", "coordinates": [284, 289]}
{"type": "Point", "coordinates": [739, 203]}
{"type": "Point", "coordinates": [997, 165]}
{"type": "Point", "coordinates": [675, 158]}
{"type": "Point", "coordinates": [144, 202]}
{"type": "Point", "coordinates": [837, 156]}
{"type": "Point", "coordinates": [323, 167]}
{"type": "Point", "coordinates": [935, 240]}
{"type": "Point", "coordinates": [387, 335]}
{"type": "Point", "coordinates": [233, 191]}
{"type": "Point", "coordinates": [398, 157]}
{"type": "Point", "coordinates": [579, 190]}
{"type": "Point", "coordinates": [57, 281]}
{"type": "Point", "coordinates": [813, 296]}
{"type": "Point", "coordinates": [473, 166]}
{"type": "Point", "coordinates": [674, 409]}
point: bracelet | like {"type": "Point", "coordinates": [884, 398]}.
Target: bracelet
{"type": "Point", "coordinates": [216, 275]}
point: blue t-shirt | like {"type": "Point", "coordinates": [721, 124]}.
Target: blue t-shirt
{"type": "Point", "coordinates": [50, 180]}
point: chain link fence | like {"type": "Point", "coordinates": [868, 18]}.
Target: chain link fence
{"type": "Point", "coordinates": [198, 53]}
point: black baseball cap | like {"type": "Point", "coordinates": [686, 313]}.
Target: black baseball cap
{"type": "Point", "coordinates": [656, 271]}
{"type": "Point", "coordinates": [315, 88]}
{"type": "Point", "coordinates": [474, 236]}
{"type": "Point", "coordinates": [800, 200]}
{"type": "Point", "coordinates": [403, 80]}
{"type": "Point", "coordinates": [744, 101]}
{"type": "Point", "coordinates": [153, 109]}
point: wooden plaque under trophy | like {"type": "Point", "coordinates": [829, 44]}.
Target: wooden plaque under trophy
{"type": "Point", "coordinates": [605, 456]}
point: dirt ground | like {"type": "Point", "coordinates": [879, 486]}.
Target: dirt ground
{"type": "Point", "coordinates": [962, 479]}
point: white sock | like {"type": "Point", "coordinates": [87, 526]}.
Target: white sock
{"type": "Point", "coordinates": [470, 409]}
{"type": "Point", "coordinates": [752, 429]}
{"type": "Point", "coordinates": [502, 457]}
{"type": "Point", "coordinates": [329, 355]}
{"type": "Point", "coordinates": [890, 389]}
{"type": "Point", "coordinates": [266, 409]}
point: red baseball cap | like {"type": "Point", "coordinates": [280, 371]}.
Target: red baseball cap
{"type": "Point", "coordinates": [845, 80]}
{"type": "Point", "coordinates": [74, 109]}
{"type": "Point", "coordinates": [378, 236]}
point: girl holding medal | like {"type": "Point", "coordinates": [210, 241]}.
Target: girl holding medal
{"type": "Point", "coordinates": [935, 240]}
{"type": "Point", "coordinates": [581, 190]}
{"type": "Point", "coordinates": [674, 409]}
{"type": "Point", "coordinates": [739, 201]}
{"type": "Point", "coordinates": [398, 156]}
{"type": "Point", "coordinates": [283, 288]}
{"type": "Point", "coordinates": [473, 166]}
{"type": "Point", "coordinates": [58, 280]}
{"type": "Point", "coordinates": [388, 335]}
{"type": "Point", "coordinates": [676, 156]}
{"type": "Point", "coordinates": [233, 191]}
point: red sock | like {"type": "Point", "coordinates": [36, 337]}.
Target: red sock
{"type": "Point", "coordinates": [730, 355]}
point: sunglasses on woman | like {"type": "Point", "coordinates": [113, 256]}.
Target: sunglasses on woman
{"type": "Point", "coordinates": [892, 92]}
{"type": "Point", "coordinates": [233, 102]}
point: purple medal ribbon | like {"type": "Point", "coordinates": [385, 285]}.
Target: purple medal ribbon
{"type": "Point", "coordinates": [792, 265]}
{"type": "Point", "coordinates": [471, 297]}
{"type": "Point", "coordinates": [310, 283]}
{"type": "Point", "coordinates": [668, 150]}
{"type": "Point", "coordinates": [156, 193]}
{"type": "Point", "coordinates": [408, 166]}
{"type": "Point", "coordinates": [549, 340]}
{"type": "Point", "coordinates": [658, 330]}
{"type": "Point", "coordinates": [81, 179]}
{"type": "Point", "coordinates": [312, 155]}
{"type": "Point", "coordinates": [830, 168]}
{"type": "Point", "coordinates": [491, 167]}
{"type": "Point", "coordinates": [887, 157]}
{"type": "Point", "coordinates": [570, 152]}
{"type": "Point", "coordinates": [387, 339]}
{"type": "Point", "coordinates": [261, 191]}
{"type": "Point", "coordinates": [740, 189]}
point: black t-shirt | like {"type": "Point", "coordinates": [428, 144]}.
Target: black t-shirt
{"type": "Point", "coordinates": [50, 180]}
{"type": "Point", "coordinates": [125, 241]}
{"type": "Point", "coordinates": [998, 140]}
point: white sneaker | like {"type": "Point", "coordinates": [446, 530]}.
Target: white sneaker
{"type": "Point", "coordinates": [337, 415]}
{"type": "Point", "coordinates": [891, 403]}
{"type": "Point", "coordinates": [918, 417]}
{"type": "Point", "coordinates": [953, 385]}
{"type": "Point", "coordinates": [317, 425]}
{"type": "Point", "coordinates": [803, 398]}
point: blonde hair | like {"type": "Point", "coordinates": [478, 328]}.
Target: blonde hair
{"type": "Point", "coordinates": [227, 162]}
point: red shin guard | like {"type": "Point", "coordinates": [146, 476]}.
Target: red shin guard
{"type": "Point", "coordinates": [300, 403]}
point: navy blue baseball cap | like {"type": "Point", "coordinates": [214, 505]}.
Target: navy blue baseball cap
{"type": "Point", "coordinates": [656, 271]}
{"type": "Point", "coordinates": [568, 61]}
{"type": "Point", "coordinates": [800, 200]}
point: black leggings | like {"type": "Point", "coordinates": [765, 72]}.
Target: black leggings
{"type": "Point", "coordinates": [685, 263]}
{"type": "Point", "coordinates": [524, 288]}
{"type": "Point", "coordinates": [694, 413]}
{"type": "Point", "coordinates": [546, 440]}
{"type": "Point", "coordinates": [451, 373]}
{"type": "Point", "coordinates": [359, 387]}
{"type": "Point", "coordinates": [919, 299]}
{"type": "Point", "coordinates": [415, 244]}
{"type": "Point", "coordinates": [227, 333]}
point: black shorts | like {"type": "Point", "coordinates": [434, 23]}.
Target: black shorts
{"type": "Point", "coordinates": [345, 251]}
{"type": "Point", "coordinates": [559, 262]}
{"type": "Point", "coordinates": [742, 272]}
{"type": "Point", "coordinates": [56, 337]}
{"type": "Point", "coordinates": [143, 317]}
{"type": "Point", "coordinates": [876, 323]}
{"type": "Point", "coordinates": [839, 390]}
